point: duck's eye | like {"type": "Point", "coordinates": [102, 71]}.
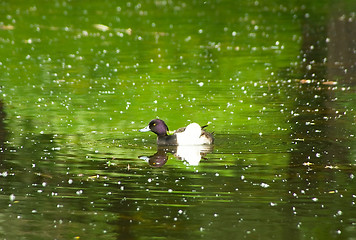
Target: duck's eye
{"type": "Point", "coordinates": [154, 124]}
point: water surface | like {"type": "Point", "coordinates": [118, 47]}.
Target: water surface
{"type": "Point", "coordinates": [275, 81]}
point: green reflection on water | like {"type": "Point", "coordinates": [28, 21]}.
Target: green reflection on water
{"type": "Point", "coordinates": [78, 79]}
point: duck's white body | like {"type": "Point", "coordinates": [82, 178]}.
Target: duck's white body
{"type": "Point", "coordinates": [192, 135]}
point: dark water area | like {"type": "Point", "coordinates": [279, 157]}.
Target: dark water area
{"type": "Point", "coordinates": [274, 81]}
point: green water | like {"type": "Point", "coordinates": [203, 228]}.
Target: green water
{"type": "Point", "coordinates": [275, 81]}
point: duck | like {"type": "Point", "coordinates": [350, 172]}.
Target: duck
{"type": "Point", "coordinates": [193, 134]}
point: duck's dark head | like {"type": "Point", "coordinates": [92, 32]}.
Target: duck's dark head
{"type": "Point", "coordinates": [157, 126]}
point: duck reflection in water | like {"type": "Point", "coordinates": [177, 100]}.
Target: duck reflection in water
{"type": "Point", "coordinates": [190, 155]}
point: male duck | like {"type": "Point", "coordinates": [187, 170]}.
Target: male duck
{"type": "Point", "coordinates": [192, 134]}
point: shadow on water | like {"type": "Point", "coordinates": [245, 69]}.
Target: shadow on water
{"type": "Point", "coordinates": [319, 126]}
{"type": "Point", "coordinates": [321, 131]}
{"type": "Point", "coordinates": [3, 131]}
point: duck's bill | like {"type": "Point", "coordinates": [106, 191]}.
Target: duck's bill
{"type": "Point", "coordinates": [146, 129]}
